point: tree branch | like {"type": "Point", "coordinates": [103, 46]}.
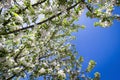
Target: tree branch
{"type": "Point", "coordinates": [15, 74]}
{"type": "Point", "coordinates": [16, 56]}
{"type": "Point", "coordinates": [87, 6]}
{"type": "Point", "coordinates": [36, 4]}
{"type": "Point", "coordinates": [39, 23]}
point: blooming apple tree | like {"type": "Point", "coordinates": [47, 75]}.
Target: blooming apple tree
{"type": "Point", "coordinates": [35, 36]}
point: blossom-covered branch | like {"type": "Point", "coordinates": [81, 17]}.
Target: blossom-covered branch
{"type": "Point", "coordinates": [39, 23]}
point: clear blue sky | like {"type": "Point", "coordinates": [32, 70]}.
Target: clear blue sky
{"type": "Point", "coordinates": [101, 45]}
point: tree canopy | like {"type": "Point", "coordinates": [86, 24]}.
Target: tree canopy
{"type": "Point", "coordinates": [35, 37]}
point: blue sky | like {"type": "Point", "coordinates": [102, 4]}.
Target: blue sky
{"type": "Point", "coordinates": [101, 45]}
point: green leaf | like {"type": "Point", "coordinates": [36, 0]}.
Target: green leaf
{"type": "Point", "coordinates": [81, 59]}
{"type": "Point", "coordinates": [91, 65]}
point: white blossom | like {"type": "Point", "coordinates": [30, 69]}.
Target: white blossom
{"type": "Point", "coordinates": [17, 50]}
{"type": "Point", "coordinates": [1, 46]}
{"type": "Point", "coordinates": [17, 69]}
{"type": "Point", "coordinates": [50, 70]}
{"type": "Point", "coordinates": [61, 73]}
{"type": "Point", "coordinates": [45, 64]}
{"type": "Point", "coordinates": [54, 63]}
{"type": "Point", "coordinates": [42, 70]}
{"type": "Point", "coordinates": [22, 59]}
{"type": "Point", "coordinates": [57, 67]}
{"type": "Point", "coordinates": [11, 60]}
{"type": "Point", "coordinates": [19, 18]}
{"type": "Point", "coordinates": [68, 70]}
{"type": "Point", "coordinates": [83, 75]}
{"type": "Point", "coordinates": [105, 24]}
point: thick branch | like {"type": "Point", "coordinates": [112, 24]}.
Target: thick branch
{"type": "Point", "coordinates": [87, 6]}
{"type": "Point", "coordinates": [15, 74]}
{"type": "Point", "coordinates": [48, 19]}
{"type": "Point", "coordinates": [36, 4]}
